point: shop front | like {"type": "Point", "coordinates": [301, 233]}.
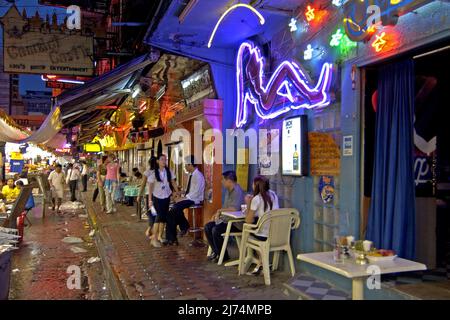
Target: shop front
{"type": "Point", "coordinates": [369, 148]}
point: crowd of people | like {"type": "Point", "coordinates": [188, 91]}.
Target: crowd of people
{"type": "Point", "coordinates": [166, 201]}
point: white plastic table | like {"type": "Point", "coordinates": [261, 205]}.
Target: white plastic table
{"type": "Point", "coordinates": [234, 217]}
{"type": "Point", "coordinates": [358, 273]}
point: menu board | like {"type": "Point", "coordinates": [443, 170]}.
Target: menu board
{"type": "Point", "coordinates": [293, 146]}
{"type": "Point", "coordinates": [325, 154]}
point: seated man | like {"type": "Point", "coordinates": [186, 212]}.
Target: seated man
{"type": "Point", "coordinates": [234, 198]}
{"type": "Point", "coordinates": [195, 192]}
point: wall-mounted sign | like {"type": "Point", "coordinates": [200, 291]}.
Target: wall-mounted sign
{"type": "Point", "coordinates": [59, 85]}
{"type": "Point", "coordinates": [325, 154]}
{"type": "Point", "coordinates": [293, 146]}
{"type": "Point", "coordinates": [361, 16]}
{"type": "Point", "coordinates": [287, 89]}
{"type": "Point", "coordinates": [198, 86]}
{"type": "Point", "coordinates": [33, 45]}
{"type": "Point", "coordinates": [347, 146]}
{"type": "Point", "coordinates": [92, 147]}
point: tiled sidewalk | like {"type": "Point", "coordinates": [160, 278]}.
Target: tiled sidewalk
{"type": "Point", "coordinates": [174, 272]}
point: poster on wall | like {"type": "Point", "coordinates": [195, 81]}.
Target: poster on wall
{"type": "Point", "coordinates": [326, 188]}
{"type": "Point", "coordinates": [242, 168]}
{"type": "Point", "coordinates": [293, 145]}
{"type": "Point", "coordinates": [324, 154]}
{"type": "Point", "coordinates": [34, 45]}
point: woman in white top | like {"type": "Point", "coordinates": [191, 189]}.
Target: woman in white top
{"type": "Point", "coordinates": [161, 182]}
{"type": "Point", "coordinates": [262, 201]}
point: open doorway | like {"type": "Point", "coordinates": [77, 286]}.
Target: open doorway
{"type": "Point", "coordinates": [431, 153]}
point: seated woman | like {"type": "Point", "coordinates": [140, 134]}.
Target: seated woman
{"type": "Point", "coordinates": [10, 191]}
{"type": "Point", "coordinates": [262, 201]}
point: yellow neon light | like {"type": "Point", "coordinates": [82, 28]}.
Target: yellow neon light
{"type": "Point", "coordinates": [243, 5]}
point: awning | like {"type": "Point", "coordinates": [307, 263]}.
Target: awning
{"type": "Point", "coordinates": [79, 105]}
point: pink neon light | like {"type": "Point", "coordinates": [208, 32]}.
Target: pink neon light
{"type": "Point", "coordinates": [287, 89]}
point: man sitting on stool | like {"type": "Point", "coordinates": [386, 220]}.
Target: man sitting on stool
{"type": "Point", "coordinates": [234, 198]}
{"type": "Point", "coordinates": [195, 191]}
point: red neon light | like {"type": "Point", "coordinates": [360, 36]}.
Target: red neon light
{"type": "Point", "coordinates": [379, 42]}
{"type": "Point", "coordinates": [141, 106]}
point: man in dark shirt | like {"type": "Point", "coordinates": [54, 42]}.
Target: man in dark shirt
{"type": "Point", "coordinates": [234, 198]}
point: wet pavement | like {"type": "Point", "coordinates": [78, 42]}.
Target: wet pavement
{"type": "Point", "coordinates": [174, 272]}
{"type": "Point", "coordinates": [39, 267]}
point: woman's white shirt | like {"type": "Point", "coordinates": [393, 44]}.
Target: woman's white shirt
{"type": "Point", "coordinates": [257, 205]}
{"type": "Point", "coordinates": [161, 189]}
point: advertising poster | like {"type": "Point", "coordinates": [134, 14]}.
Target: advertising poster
{"type": "Point", "coordinates": [293, 146]}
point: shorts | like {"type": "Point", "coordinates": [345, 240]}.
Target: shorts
{"type": "Point", "coordinates": [162, 209]}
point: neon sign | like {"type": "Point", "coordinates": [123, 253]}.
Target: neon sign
{"type": "Point", "coordinates": [239, 5]}
{"type": "Point", "coordinates": [307, 54]}
{"type": "Point", "coordinates": [361, 16]}
{"type": "Point", "coordinates": [379, 42]}
{"type": "Point", "coordinates": [336, 38]}
{"type": "Point", "coordinates": [293, 25]}
{"type": "Point", "coordinates": [309, 14]}
{"type": "Point", "coordinates": [287, 89]}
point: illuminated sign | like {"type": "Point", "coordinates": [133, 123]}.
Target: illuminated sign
{"type": "Point", "coordinates": [309, 14]}
{"type": "Point", "coordinates": [287, 89]}
{"type": "Point", "coordinates": [293, 25]}
{"type": "Point", "coordinates": [379, 42]}
{"type": "Point", "coordinates": [92, 147]}
{"type": "Point", "coordinates": [293, 139]}
{"type": "Point", "coordinates": [361, 16]}
{"type": "Point", "coordinates": [239, 5]}
{"type": "Point", "coordinates": [307, 54]}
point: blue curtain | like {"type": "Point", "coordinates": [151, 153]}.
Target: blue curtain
{"type": "Point", "coordinates": [392, 211]}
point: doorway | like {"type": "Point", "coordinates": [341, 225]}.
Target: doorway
{"type": "Point", "coordinates": [431, 153]}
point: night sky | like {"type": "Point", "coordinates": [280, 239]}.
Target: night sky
{"type": "Point", "coordinates": [30, 82]}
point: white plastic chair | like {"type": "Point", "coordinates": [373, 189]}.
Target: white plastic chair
{"type": "Point", "coordinates": [281, 222]}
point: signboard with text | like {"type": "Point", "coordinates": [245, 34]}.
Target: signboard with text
{"type": "Point", "coordinates": [325, 154]}
{"type": "Point", "coordinates": [33, 45]}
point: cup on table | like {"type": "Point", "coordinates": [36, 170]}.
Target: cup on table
{"type": "Point", "coordinates": [350, 240]}
{"type": "Point", "coordinates": [367, 245]}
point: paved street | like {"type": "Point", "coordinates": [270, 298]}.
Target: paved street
{"type": "Point", "coordinates": [40, 266]}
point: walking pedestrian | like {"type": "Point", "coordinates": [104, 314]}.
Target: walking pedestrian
{"type": "Point", "coordinates": [84, 175]}
{"type": "Point", "coordinates": [101, 177]}
{"type": "Point", "coordinates": [73, 175]}
{"type": "Point", "coordinates": [111, 182]}
{"type": "Point", "coordinates": [56, 180]}
{"type": "Point", "coordinates": [161, 182]}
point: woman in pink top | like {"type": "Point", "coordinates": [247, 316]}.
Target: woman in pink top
{"type": "Point", "coordinates": [111, 182]}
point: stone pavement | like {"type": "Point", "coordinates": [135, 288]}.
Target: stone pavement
{"type": "Point", "coordinates": [40, 265]}
{"type": "Point", "coordinates": [175, 272]}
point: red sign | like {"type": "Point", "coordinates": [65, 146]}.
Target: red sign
{"type": "Point", "coordinates": [60, 85]}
